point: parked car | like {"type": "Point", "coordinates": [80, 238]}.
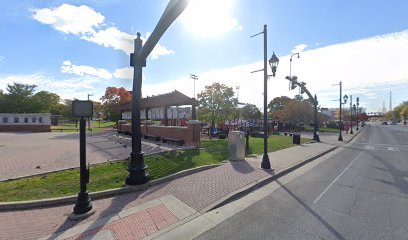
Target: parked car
{"type": "Point", "coordinates": [393, 123]}
{"type": "Point", "coordinates": [384, 123]}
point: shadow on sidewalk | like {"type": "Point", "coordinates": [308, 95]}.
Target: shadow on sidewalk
{"type": "Point", "coordinates": [241, 166]}
{"type": "Point", "coordinates": [117, 204]}
{"type": "Point", "coordinates": [310, 210]}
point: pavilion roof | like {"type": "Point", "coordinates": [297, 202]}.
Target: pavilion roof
{"type": "Point", "coordinates": [174, 98]}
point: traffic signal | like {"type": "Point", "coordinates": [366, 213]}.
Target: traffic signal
{"type": "Point", "coordinates": [293, 85]}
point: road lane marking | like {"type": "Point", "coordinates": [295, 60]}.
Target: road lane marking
{"type": "Point", "coordinates": [369, 147]}
{"type": "Point", "coordinates": [337, 178]}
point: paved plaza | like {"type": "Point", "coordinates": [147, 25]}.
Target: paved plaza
{"type": "Point", "coordinates": [153, 211]}
{"type": "Point", "coordinates": [26, 154]}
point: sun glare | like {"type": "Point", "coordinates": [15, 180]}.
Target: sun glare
{"type": "Point", "coordinates": [209, 18]}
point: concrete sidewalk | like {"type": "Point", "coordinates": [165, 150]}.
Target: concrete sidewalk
{"type": "Point", "coordinates": [156, 210]}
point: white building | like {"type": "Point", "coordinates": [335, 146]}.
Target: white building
{"type": "Point", "coordinates": [25, 122]}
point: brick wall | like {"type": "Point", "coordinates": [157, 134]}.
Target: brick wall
{"type": "Point", "coordinates": [190, 134]}
{"type": "Point", "coordinates": [25, 128]}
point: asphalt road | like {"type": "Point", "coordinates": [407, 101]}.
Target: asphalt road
{"type": "Point", "coordinates": [359, 193]}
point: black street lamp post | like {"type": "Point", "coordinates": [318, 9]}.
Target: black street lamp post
{"type": "Point", "coordinates": [273, 62]}
{"type": "Point", "coordinates": [351, 114]}
{"type": "Point", "coordinates": [137, 168]}
{"type": "Point", "coordinates": [340, 103]}
{"type": "Point", "coordinates": [355, 114]}
{"type": "Point", "coordinates": [357, 111]}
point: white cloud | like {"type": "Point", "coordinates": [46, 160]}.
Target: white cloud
{"type": "Point", "coordinates": [364, 66]}
{"type": "Point", "coordinates": [68, 67]}
{"type": "Point", "coordinates": [70, 19]}
{"type": "Point", "coordinates": [299, 48]}
{"type": "Point", "coordinates": [90, 25]}
{"type": "Point", "coordinates": [1, 58]}
{"type": "Point", "coordinates": [124, 73]}
{"type": "Point", "coordinates": [66, 89]}
{"type": "Point", "coordinates": [112, 37]}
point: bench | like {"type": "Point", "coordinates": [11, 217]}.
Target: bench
{"type": "Point", "coordinates": [152, 137]}
{"type": "Point", "coordinates": [173, 140]}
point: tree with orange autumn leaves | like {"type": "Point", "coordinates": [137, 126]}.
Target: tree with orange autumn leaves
{"type": "Point", "coordinates": [112, 99]}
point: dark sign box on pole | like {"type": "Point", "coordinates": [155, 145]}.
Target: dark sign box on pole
{"type": "Point", "coordinates": [82, 108]}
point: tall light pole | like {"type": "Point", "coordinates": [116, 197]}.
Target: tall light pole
{"type": "Point", "coordinates": [351, 114]}
{"type": "Point", "coordinates": [340, 107]}
{"type": "Point", "coordinates": [273, 62]}
{"type": "Point", "coordinates": [137, 168]}
{"type": "Point", "coordinates": [89, 121]}
{"type": "Point", "coordinates": [237, 88]}
{"type": "Point", "coordinates": [357, 111]}
{"type": "Point", "coordinates": [193, 110]}
{"type": "Point", "coordinates": [290, 66]}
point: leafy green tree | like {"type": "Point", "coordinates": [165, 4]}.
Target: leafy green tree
{"type": "Point", "coordinates": [297, 112]}
{"type": "Point", "coordinates": [44, 101]}
{"type": "Point", "coordinates": [398, 111]}
{"type": "Point", "coordinates": [18, 98]}
{"type": "Point", "coordinates": [250, 112]}
{"type": "Point", "coordinates": [216, 103]}
{"type": "Point", "coordinates": [2, 104]}
{"type": "Point", "coordinates": [276, 106]}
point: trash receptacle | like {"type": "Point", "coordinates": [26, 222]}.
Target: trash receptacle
{"type": "Point", "coordinates": [296, 138]}
{"type": "Point", "coordinates": [236, 145]}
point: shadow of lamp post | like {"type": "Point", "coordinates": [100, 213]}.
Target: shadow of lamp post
{"type": "Point", "coordinates": [137, 168]}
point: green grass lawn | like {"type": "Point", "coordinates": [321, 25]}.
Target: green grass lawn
{"type": "Point", "coordinates": [322, 129]}
{"type": "Point", "coordinates": [112, 175]}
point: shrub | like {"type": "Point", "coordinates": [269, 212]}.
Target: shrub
{"type": "Point", "coordinates": [256, 134]}
{"type": "Point", "coordinates": [222, 136]}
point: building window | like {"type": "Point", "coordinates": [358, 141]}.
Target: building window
{"type": "Point", "coordinates": [16, 119]}
{"type": "Point", "coordinates": [40, 119]}
{"type": "Point", "coordinates": [5, 119]}
{"type": "Point", "coordinates": [26, 120]}
{"type": "Point", "coordinates": [33, 120]}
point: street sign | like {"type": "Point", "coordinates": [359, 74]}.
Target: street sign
{"type": "Point", "coordinates": [82, 108]}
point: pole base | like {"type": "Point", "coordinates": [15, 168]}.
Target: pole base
{"type": "Point", "coordinates": [266, 164]}
{"type": "Point", "coordinates": [83, 203]}
{"type": "Point", "coordinates": [340, 138]}
{"type": "Point", "coordinates": [137, 170]}
{"type": "Point", "coordinates": [351, 132]}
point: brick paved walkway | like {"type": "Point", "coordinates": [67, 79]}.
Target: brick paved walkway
{"type": "Point", "coordinates": [196, 191]}
{"type": "Point", "coordinates": [26, 154]}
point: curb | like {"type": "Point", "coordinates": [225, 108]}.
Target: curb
{"type": "Point", "coordinates": [24, 205]}
{"type": "Point", "coordinates": [262, 182]}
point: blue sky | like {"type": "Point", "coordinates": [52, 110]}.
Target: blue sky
{"type": "Point", "coordinates": [78, 47]}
